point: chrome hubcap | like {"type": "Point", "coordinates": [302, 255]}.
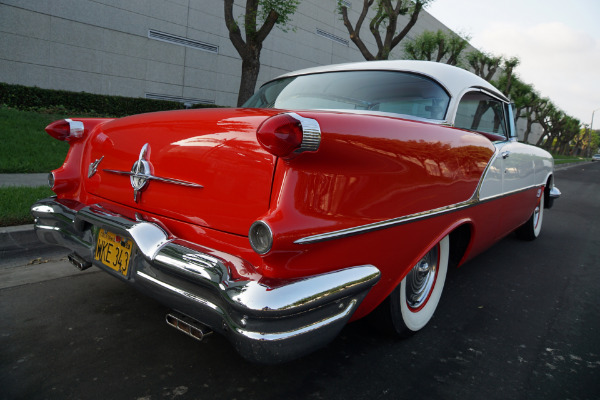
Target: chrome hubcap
{"type": "Point", "coordinates": [536, 216]}
{"type": "Point", "coordinates": [421, 279]}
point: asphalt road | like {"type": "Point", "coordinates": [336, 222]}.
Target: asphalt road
{"type": "Point", "coordinates": [521, 321]}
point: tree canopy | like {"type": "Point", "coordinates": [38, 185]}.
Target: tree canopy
{"type": "Point", "coordinates": [437, 46]}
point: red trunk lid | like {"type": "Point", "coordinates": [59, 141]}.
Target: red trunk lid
{"type": "Point", "coordinates": [214, 148]}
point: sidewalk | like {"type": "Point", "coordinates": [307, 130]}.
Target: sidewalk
{"type": "Point", "coordinates": [31, 180]}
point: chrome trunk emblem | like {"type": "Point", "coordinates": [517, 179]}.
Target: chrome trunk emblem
{"type": "Point", "coordinates": [94, 166]}
{"type": "Point", "coordinates": [141, 175]}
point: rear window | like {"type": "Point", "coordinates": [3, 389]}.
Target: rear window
{"type": "Point", "coordinates": [385, 91]}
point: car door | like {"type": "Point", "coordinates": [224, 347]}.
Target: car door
{"type": "Point", "coordinates": [511, 169]}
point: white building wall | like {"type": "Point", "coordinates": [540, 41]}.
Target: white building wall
{"type": "Point", "coordinates": [102, 46]}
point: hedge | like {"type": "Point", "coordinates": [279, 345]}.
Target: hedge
{"type": "Point", "coordinates": [34, 98]}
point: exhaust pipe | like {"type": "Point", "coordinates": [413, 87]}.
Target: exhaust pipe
{"type": "Point", "coordinates": [187, 325]}
{"type": "Point", "coordinates": [78, 261]}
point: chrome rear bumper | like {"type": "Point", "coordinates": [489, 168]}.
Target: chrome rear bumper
{"type": "Point", "coordinates": [267, 321]}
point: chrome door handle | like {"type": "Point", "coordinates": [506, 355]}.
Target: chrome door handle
{"type": "Point", "coordinates": [505, 154]}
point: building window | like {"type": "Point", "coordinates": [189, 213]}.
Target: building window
{"type": "Point", "coordinates": [187, 101]}
{"type": "Point", "coordinates": [195, 44]}
{"type": "Point", "coordinates": [333, 37]}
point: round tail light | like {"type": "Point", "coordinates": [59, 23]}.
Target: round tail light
{"type": "Point", "coordinates": [261, 237]}
{"type": "Point", "coordinates": [280, 135]}
{"type": "Point", "coordinates": [284, 134]}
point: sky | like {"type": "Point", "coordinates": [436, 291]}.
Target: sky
{"type": "Point", "coordinates": [558, 43]}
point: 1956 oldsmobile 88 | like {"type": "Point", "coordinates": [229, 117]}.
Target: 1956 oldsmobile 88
{"type": "Point", "coordinates": [336, 191]}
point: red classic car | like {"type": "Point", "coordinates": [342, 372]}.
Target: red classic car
{"type": "Point", "coordinates": [335, 192]}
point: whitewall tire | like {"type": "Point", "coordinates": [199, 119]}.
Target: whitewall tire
{"type": "Point", "coordinates": [414, 301]}
{"type": "Point", "coordinates": [531, 229]}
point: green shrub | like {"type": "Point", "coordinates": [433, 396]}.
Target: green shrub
{"type": "Point", "coordinates": [53, 101]}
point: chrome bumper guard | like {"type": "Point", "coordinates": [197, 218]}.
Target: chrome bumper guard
{"type": "Point", "coordinates": [266, 320]}
{"type": "Point", "coordinates": [551, 195]}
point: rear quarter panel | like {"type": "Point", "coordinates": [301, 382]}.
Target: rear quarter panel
{"type": "Point", "coordinates": [370, 169]}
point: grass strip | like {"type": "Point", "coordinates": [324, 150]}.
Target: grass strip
{"type": "Point", "coordinates": [560, 159]}
{"type": "Point", "coordinates": [25, 146]}
{"type": "Point", "coordinates": [15, 202]}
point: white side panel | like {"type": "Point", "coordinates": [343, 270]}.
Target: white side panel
{"type": "Point", "coordinates": [518, 165]}
{"type": "Point", "coordinates": [492, 180]}
{"type": "Point", "coordinates": [515, 166]}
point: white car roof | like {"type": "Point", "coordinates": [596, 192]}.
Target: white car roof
{"type": "Point", "coordinates": [455, 80]}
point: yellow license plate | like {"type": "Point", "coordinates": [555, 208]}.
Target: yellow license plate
{"type": "Point", "coordinates": [114, 251]}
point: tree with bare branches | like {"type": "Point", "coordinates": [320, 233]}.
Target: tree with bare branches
{"type": "Point", "coordinates": [268, 12]}
{"type": "Point", "coordinates": [386, 20]}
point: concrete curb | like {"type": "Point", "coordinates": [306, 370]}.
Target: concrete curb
{"type": "Point", "coordinates": [19, 245]}
{"type": "Point", "coordinates": [17, 237]}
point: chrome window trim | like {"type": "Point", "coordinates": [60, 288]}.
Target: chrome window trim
{"type": "Point", "coordinates": [509, 124]}
{"type": "Point", "coordinates": [386, 114]}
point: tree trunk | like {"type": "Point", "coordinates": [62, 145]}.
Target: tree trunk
{"type": "Point", "coordinates": [527, 130]}
{"type": "Point", "coordinates": [250, 70]}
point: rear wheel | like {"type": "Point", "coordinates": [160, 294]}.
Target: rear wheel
{"type": "Point", "coordinates": [413, 302]}
{"type": "Point", "coordinates": [531, 229]}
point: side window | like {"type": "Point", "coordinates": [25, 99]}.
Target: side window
{"type": "Point", "coordinates": [482, 113]}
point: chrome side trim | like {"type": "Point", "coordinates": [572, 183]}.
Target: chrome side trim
{"type": "Point", "coordinates": [500, 195]}
{"type": "Point", "coordinates": [311, 133]}
{"type": "Point", "coordinates": [321, 237]}
{"type": "Point", "coordinates": [406, 219]}
{"type": "Point", "coordinates": [155, 178]}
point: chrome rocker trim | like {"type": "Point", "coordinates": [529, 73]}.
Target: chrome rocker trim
{"type": "Point", "coordinates": [266, 320]}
